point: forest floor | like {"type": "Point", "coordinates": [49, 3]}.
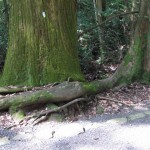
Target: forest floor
{"type": "Point", "coordinates": [113, 101]}
{"type": "Point", "coordinates": [126, 127]}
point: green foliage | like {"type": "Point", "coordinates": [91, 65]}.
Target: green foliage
{"type": "Point", "coordinates": [94, 54]}
{"type": "Point", "coordinates": [146, 78]}
{"type": "Point", "coordinates": [88, 43]}
{"type": "Point", "coordinates": [3, 33]}
{"type": "Point", "coordinates": [116, 33]}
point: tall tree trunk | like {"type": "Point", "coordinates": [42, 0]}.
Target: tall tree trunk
{"type": "Point", "coordinates": [146, 75]}
{"type": "Point", "coordinates": [99, 6]}
{"type": "Point", "coordinates": [135, 6]}
{"type": "Point", "coordinates": [136, 64]}
{"type": "Point", "coordinates": [42, 43]}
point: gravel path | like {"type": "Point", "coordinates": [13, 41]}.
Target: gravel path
{"type": "Point", "coordinates": [124, 131]}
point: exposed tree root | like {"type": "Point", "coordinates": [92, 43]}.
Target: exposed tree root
{"type": "Point", "coordinates": [46, 113]}
{"type": "Point", "coordinates": [14, 89]}
{"type": "Point", "coordinates": [65, 91]}
{"type": "Point", "coordinates": [18, 89]}
{"type": "Point", "coordinates": [43, 116]}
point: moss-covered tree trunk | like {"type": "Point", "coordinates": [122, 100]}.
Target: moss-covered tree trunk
{"type": "Point", "coordinates": [42, 43]}
{"type": "Point", "coordinates": [146, 75]}
{"type": "Point", "coordinates": [136, 64]}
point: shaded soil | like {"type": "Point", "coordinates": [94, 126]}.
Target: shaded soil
{"type": "Point", "coordinates": [135, 95]}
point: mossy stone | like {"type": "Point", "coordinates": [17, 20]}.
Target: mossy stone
{"type": "Point", "coordinates": [56, 117]}
{"type": "Point", "coordinates": [19, 115]}
{"type": "Point", "coordinates": [99, 109]}
{"type": "Point", "coordinates": [136, 116]}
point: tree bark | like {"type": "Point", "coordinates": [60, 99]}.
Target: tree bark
{"type": "Point", "coordinates": [99, 6]}
{"type": "Point", "coordinates": [66, 91]}
{"type": "Point", "coordinates": [146, 28]}
{"type": "Point", "coordinates": [132, 68]}
{"type": "Point", "coordinates": [42, 43]}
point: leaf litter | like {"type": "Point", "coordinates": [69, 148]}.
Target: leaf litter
{"type": "Point", "coordinates": [136, 94]}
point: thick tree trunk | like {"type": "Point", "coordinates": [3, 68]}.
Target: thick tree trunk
{"type": "Point", "coordinates": [146, 75]}
{"type": "Point", "coordinates": [135, 6]}
{"type": "Point", "coordinates": [42, 43]}
{"type": "Point", "coordinates": [132, 68]}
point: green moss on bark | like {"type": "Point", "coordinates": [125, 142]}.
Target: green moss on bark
{"type": "Point", "coordinates": [90, 87]}
{"type": "Point", "coordinates": [136, 72]}
{"type": "Point", "coordinates": [42, 43]}
{"type": "Point", "coordinates": [21, 101]}
{"type": "Point", "coordinates": [146, 77]}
